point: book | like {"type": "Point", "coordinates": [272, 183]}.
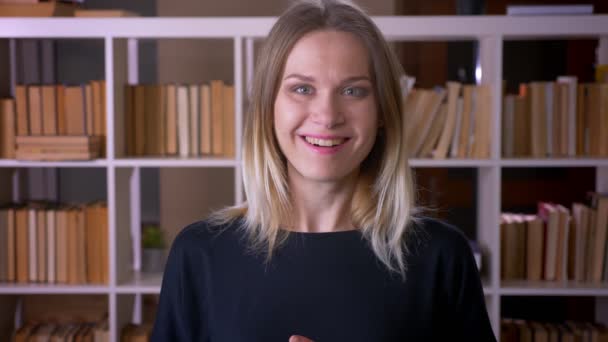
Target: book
{"type": "Point", "coordinates": [7, 128]}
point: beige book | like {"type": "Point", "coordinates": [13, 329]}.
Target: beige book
{"type": "Point", "coordinates": [229, 121]}
{"type": "Point", "coordinates": [432, 138]}
{"type": "Point", "coordinates": [62, 246]}
{"type": "Point", "coordinates": [195, 116]}
{"type": "Point", "coordinates": [603, 129]}
{"type": "Point", "coordinates": [40, 9]}
{"type": "Point", "coordinates": [417, 100]}
{"type": "Point", "coordinates": [601, 233]}
{"type": "Point", "coordinates": [4, 242]}
{"type": "Point", "coordinates": [453, 89]}
{"type": "Point", "coordinates": [570, 96]}
{"type": "Point", "coordinates": [72, 246]}
{"type": "Point", "coordinates": [423, 125]}
{"type": "Point", "coordinates": [22, 245]}
{"type": "Point", "coordinates": [464, 141]}
{"type": "Point", "coordinates": [21, 100]}
{"type": "Point", "coordinates": [455, 138]}
{"type": "Point", "coordinates": [580, 218]}
{"type": "Point", "coordinates": [81, 254]}
{"type": "Point", "coordinates": [591, 240]}
{"type": "Point", "coordinates": [482, 122]}
{"type": "Point", "coordinates": [34, 98]}
{"type": "Point", "coordinates": [534, 247]}
{"type": "Point", "coordinates": [102, 218]}
{"type": "Point", "coordinates": [581, 99]}
{"type": "Point", "coordinates": [561, 260]}
{"type": "Point", "coordinates": [549, 214]}
{"type": "Point", "coordinates": [522, 143]}
{"type": "Point", "coordinates": [98, 120]}
{"type": "Point", "coordinates": [171, 113]}
{"type": "Point", "coordinates": [41, 245]}
{"type": "Point", "coordinates": [206, 122]}
{"type": "Point", "coordinates": [217, 117]}
{"type": "Point", "coordinates": [538, 123]}
{"type": "Point", "coordinates": [509, 247]}
{"type": "Point", "coordinates": [103, 13]}
{"type": "Point", "coordinates": [508, 126]}
{"type": "Point", "coordinates": [104, 110]}
{"type": "Point", "coordinates": [183, 121]}
{"type": "Point", "coordinates": [32, 250]}
{"type": "Point", "coordinates": [7, 128]}
{"type": "Point", "coordinates": [62, 127]}
{"type": "Point", "coordinates": [49, 110]}
{"type": "Point", "coordinates": [75, 110]}
{"type": "Point", "coordinates": [151, 119]}
{"type": "Point", "coordinates": [51, 246]}
{"type": "Point", "coordinates": [594, 119]}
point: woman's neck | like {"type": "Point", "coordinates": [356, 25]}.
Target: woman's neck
{"type": "Point", "coordinates": [321, 206]}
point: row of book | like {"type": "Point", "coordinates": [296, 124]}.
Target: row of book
{"type": "Point", "coordinates": [558, 243]}
{"type": "Point", "coordinates": [43, 243]}
{"type": "Point", "coordinates": [37, 8]}
{"type": "Point", "coordinates": [454, 121]}
{"type": "Point", "coordinates": [59, 332]}
{"type": "Point", "coordinates": [180, 120]}
{"type": "Point", "coordinates": [136, 333]}
{"type": "Point", "coordinates": [556, 119]}
{"type": "Point", "coordinates": [53, 111]}
{"type": "Point", "coordinates": [518, 330]}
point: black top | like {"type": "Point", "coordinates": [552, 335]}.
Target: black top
{"type": "Point", "coordinates": [329, 287]}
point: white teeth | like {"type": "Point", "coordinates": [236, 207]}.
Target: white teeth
{"type": "Point", "coordinates": [324, 142]}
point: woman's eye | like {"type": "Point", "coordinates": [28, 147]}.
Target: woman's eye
{"type": "Point", "coordinates": [355, 91]}
{"type": "Point", "coordinates": [305, 90]}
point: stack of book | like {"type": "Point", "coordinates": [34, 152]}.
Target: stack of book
{"type": "Point", "coordinates": [74, 331]}
{"type": "Point", "coordinates": [557, 244]}
{"type": "Point", "coordinates": [556, 119]}
{"type": "Point", "coordinates": [63, 8]}
{"type": "Point", "coordinates": [515, 330]}
{"type": "Point", "coordinates": [54, 112]}
{"type": "Point", "coordinates": [180, 120]}
{"type": "Point", "coordinates": [450, 122]}
{"type": "Point", "coordinates": [41, 243]}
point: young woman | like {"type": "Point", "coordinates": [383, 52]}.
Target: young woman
{"type": "Point", "coordinates": [328, 246]}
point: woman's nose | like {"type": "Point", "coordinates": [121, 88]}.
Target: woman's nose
{"type": "Point", "coordinates": [326, 110]}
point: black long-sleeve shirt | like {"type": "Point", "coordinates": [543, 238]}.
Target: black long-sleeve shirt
{"type": "Point", "coordinates": [329, 287]}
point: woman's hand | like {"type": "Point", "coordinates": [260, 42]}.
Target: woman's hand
{"type": "Point", "coordinates": [297, 338]}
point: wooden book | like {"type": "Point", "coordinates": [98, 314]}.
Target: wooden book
{"type": "Point", "coordinates": [570, 95]}
{"type": "Point", "coordinates": [229, 122]}
{"type": "Point", "coordinates": [89, 111]}
{"type": "Point", "coordinates": [540, 332]}
{"type": "Point", "coordinates": [7, 128]}
{"type": "Point", "coordinates": [62, 126]}
{"type": "Point", "coordinates": [561, 260]}
{"type": "Point", "coordinates": [161, 125]}
{"type": "Point", "coordinates": [522, 139]}
{"type": "Point", "coordinates": [139, 105]}
{"type": "Point", "coordinates": [483, 122]}
{"type": "Point", "coordinates": [75, 110]}
{"type": "Point", "coordinates": [183, 121]}
{"type": "Point", "coordinates": [206, 121]}
{"type": "Point", "coordinates": [62, 241]}
{"type": "Point", "coordinates": [423, 125]}
{"type": "Point", "coordinates": [509, 240]}
{"type": "Point", "coordinates": [171, 114]}
{"type": "Point", "coordinates": [447, 133]}
{"type": "Point", "coordinates": [415, 101]}
{"type": "Point", "coordinates": [594, 119]}
{"type": "Point", "coordinates": [151, 119]}
{"type": "Point", "coordinates": [195, 116]}
{"type": "Point", "coordinates": [21, 100]}
{"type": "Point", "coordinates": [72, 246]}
{"type": "Point", "coordinates": [603, 129]}
{"type": "Point", "coordinates": [580, 215]}
{"type": "Point", "coordinates": [40, 9]}
{"type": "Point", "coordinates": [601, 233]}
{"type": "Point", "coordinates": [4, 242]}
{"type": "Point", "coordinates": [464, 141]}
{"type": "Point", "coordinates": [508, 126]}
{"type": "Point", "coordinates": [581, 99]}
{"type": "Point", "coordinates": [455, 137]}
{"type": "Point", "coordinates": [49, 110]}
{"type": "Point", "coordinates": [93, 248]}
{"type": "Point", "coordinates": [51, 249]}
{"type": "Point", "coordinates": [81, 254]}
{"type": "Point", "coordinates": [41, 245]}
{"type": "Point", "coordinates": [103, 13]}
{"type": "Point", "coordinates": [217, 117]}
{"type": "Point", "coordinates": [98, 120]}
{"type": "Point", "coordinates": [129, 121]}
{"type": "Point", "coordinates": [11, 249]}
{"type": "Point", "coordinates": [34, 98]}
{"type": "Point", "coordinates": [102, 219]}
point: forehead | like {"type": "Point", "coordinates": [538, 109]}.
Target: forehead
{"type": "Point", "coordinates": [328, 51]}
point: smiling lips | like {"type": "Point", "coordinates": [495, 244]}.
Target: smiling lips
{"type": "Point", "coordinates": [325, 145]}
{"type": "Point", "coordinates": [324, 142]}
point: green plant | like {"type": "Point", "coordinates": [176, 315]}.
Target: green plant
{"type": "Point", "coordinates": [152, 236]}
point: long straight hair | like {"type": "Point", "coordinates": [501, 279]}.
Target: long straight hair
{"type": "Point", "coordinates": [383, 206]}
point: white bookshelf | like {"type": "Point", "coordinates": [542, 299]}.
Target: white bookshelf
{"type": "Point", "coordinates": [120, 35]}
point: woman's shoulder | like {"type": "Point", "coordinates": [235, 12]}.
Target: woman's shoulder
{"type": "Point", "coordinates": [441, 236]}
{"type": "Point", "coordinates": [205, 233]}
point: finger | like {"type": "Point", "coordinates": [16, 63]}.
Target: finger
{"type": "Point", "coordinates": [297, 338]}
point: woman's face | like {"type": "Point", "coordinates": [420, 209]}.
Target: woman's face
{"type": "Point", "coordinates": [325, 115]}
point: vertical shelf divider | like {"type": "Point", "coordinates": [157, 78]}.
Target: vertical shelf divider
{"type": "Point", "coordinates": [238, 122]}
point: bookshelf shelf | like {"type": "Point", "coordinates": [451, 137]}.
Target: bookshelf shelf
{"type": "Point", "coordinates": [77, 164]}
{"type": "Point", "coordinates": [52, 289]}
{"type": "Point", "coordinates": [124, 190]}
{"type": "Point", "coordinates": [570, 288]}
{"type": "Point", "coordinates": [571, 162]}
{"type": "Point", "coordinates": [175, 162]}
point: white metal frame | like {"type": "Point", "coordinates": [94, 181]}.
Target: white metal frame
{"type": "Point", "coordinates": [121, 38]}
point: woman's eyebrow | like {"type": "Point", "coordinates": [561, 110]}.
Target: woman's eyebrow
{"type": "Point", "coordinates": [311, 79]}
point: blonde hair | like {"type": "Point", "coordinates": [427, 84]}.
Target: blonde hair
{"type": "Point", "coordinates": [383, 204]}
